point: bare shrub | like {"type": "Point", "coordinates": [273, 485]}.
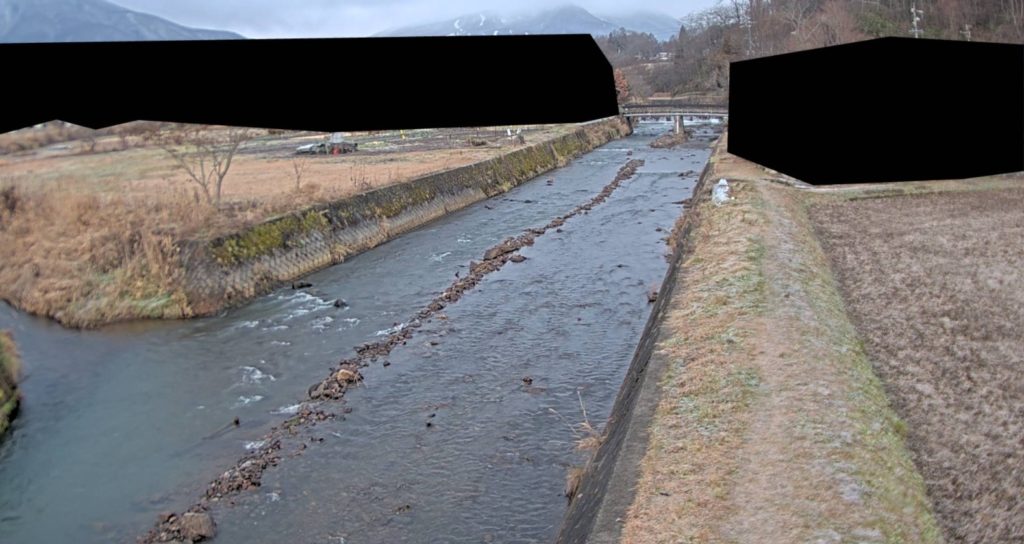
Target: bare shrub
{"type": "Point", "coordinates": [84, 258]}
{"type": "Point", "coordinates": [204, 153]}
{"type": "Point", "coordinates": [299, 165]}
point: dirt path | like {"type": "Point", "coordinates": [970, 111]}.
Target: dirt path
{"type": "Point", "coordinates": [771, 426]}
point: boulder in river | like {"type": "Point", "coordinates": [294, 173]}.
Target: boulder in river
{"type": "Point", "coordinates": [499, 250]}
{"type": "Point", "coordinates": [197, 526]}
{"type": "Point", "coordinates": [347, 376]}
{"type": "Point", "coordinates": [652, 295]}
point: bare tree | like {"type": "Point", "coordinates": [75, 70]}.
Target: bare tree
{"type": "Point", "coordinates": [621, 86]}
{"type": "Point", "coordinates": [204, 153]}
{"type": "Point", "coordinates": [838, 25]}
{"type": "Point", "coordinates": [122, 133]}
{"type": "Point", "coordinates": [299, 165]}
{"type": "Point", "coordinates": [91, 140]}
{"type": "Point", "coordinates": [1014, 10]}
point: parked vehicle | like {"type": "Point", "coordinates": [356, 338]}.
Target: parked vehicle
{"type": "Point", "coordinates": [312, 149]}
{"type": "Point", "coordinates": [334, 146]}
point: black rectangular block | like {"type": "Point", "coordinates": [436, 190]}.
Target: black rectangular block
{"type": "Point", "coordinates": [891, 109]}
{"type": "Point", "coordinates": [343, 84]}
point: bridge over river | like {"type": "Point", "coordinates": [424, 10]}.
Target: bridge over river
{"type": "Point", "coordinates": [676, 110]}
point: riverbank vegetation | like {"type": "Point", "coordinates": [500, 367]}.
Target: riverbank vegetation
{"type": "Point", "coordinates": [10, 370]}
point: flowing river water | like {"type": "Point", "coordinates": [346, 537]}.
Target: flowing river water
{"type": "Point", "coordinates": [123, 423]}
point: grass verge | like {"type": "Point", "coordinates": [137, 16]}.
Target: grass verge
{"type": "Point", "coordinates": [771, 424]}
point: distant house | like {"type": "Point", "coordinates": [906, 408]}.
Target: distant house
{"type": "Point", "coordinates": [663, 56]}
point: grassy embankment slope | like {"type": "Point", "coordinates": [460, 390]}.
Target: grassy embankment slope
{"type": "Point", "coordinates": [772, 425]}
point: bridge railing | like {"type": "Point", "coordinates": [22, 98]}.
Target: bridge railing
{"type": "Point", "coordinates": [668, 108]}
{"type": "Point", "coordinates": [673, 112]}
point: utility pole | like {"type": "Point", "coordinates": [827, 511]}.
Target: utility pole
{"type": "Point", "coordinates": [748, 25]}
{"type": "Point", "coordinates": [915, 16]}
{"type": "Point", "coordinates": [966, 32]}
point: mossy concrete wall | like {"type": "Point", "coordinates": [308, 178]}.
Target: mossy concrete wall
{"type": "Point", "coordinates": [9, 369]}
{"type": "Point", "coordinates": [232, 269]}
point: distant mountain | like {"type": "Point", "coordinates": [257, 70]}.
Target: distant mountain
{"type": "Point", "coordinates": [89, 21]}
{"type": "Point", "coordinates": [662, 26]}
{"type": "Point", "coordinates": [561, 20]}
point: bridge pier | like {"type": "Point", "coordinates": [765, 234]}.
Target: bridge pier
{"type": "Point", "coordinates": [678, 120]}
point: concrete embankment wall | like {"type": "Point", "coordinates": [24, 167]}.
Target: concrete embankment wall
{"type": "Point", "coordinates": [231, 269]}
{"type": "Point", "coordinates": [9, 369]}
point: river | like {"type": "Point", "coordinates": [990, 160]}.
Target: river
{"type": "Point", "coordinates": [122, 423]}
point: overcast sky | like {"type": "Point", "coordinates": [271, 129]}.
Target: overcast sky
{"type": "Point", "coordinates": [343, 18]}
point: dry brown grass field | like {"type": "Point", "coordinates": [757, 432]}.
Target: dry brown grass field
{"type": "Point", "coordinates": [934, 284]}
